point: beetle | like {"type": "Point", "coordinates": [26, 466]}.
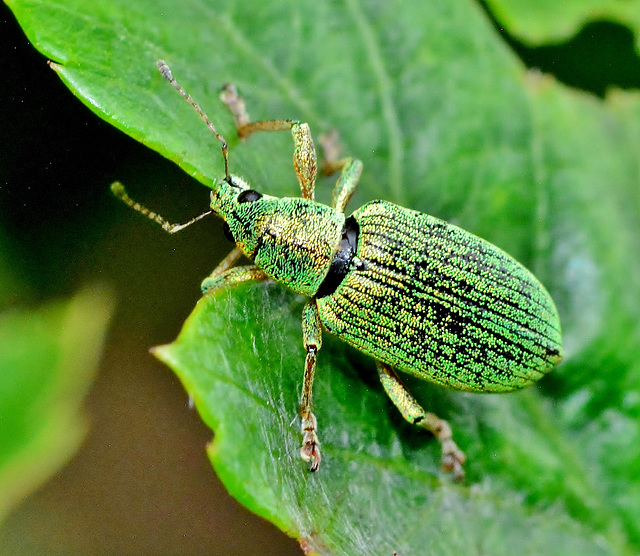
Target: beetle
{"type": "Point", "coordinates": [418, 294]}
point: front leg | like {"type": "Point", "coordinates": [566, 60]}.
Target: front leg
{"type": "Point", "coordinates": [304, 153]}
{"type": "Point", "coordinates": [312, 338]}
{"type": "Point", "coordinates": [224, 275]}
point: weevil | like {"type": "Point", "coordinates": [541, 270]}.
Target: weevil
{"type": "Point", "coordinates": [416, 293]}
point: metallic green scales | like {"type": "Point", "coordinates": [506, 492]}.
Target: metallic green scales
{"type": "Point", "coordinates": [445, 305]}
{"type": "Point", "coordinates": [416, 293]}
{"type": "Point", "coordinates": [292, 240]}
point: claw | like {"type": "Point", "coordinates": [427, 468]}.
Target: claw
{"type": "Point", "coordinates": [452, 457]}
{"type": "Point", "coordinates": [310, 450]}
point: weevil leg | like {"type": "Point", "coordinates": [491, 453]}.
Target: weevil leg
{"type": "Point", "coordinates": [332, 160]}
{"type": "Point", "coordinates": [312, 338]}
{"type": "Point", "coordinates": [226, 263]}
{"type": "Point", "coordinates": [305, 160]}
{"type": "Point", "coordinates": [351, 170]}
{"type": "Point", "coordinates": [224, 275]}
{"type": "Point", "coordinates": [452, 456]}
{"type": "Point", "coordinates": [231, 277]}
{"type": "Point", "coordinates": [346, 184]}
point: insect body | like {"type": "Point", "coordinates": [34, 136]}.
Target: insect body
{"type": "Point", "coordinates": [418, 294]}
{"type": "Point", "coordinates": [440, 303]}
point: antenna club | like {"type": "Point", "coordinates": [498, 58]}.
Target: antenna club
{"type": "Point", "coordinates": [164, 69]}
{"type": "Point", "coordinates": [118, 189]}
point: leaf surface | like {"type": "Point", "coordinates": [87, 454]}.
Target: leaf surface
{"type": "Point", "coordinates": [447, 121]}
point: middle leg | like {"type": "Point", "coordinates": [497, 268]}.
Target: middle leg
{"type": "Point", "coordinates": [350, 168]}
{"type": "Point", "coordinates": [305, 160]}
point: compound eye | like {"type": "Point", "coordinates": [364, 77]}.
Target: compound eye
{"type": "Point", "coordinates": [249, 196]}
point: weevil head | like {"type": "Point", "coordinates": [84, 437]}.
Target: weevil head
{"type": "Point", "coordinates": [293, 240]}
{"type": "Point", "coordinates": [245, 211]}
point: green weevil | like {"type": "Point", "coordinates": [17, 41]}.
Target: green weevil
{"type": "Point", "coordinates": [418, 294]}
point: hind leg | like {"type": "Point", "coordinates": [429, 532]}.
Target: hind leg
{"type": "Point", "coordinates": [412, 411]}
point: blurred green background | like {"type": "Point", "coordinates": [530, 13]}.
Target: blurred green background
{"type": "Point", "coordinates": [141, 482]}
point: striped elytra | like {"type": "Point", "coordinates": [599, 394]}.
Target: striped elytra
{"type": "Point", "coordinates": [414, 292]}
{"type": "Point", "coordinates": [443, 304]}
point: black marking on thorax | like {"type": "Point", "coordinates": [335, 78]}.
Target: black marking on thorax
{"type": "Point", "coordinates": [342, 260]}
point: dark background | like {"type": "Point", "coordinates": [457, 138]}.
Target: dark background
{"type": "Point", "coordinates": [141, 483]}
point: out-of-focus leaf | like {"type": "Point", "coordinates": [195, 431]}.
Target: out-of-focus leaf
{"type": "Point", "coordinates": [48, 357]}
{"type": "Point", "coordinates": [544, 21]}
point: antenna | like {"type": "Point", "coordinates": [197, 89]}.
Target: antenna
{"type": "Point", "coordinates": [120, 192]}
{"type": "Point", "coordinates": [166, 73]}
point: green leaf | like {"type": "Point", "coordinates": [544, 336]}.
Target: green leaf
{"type": "Point", "coordinates": [379, 489]}
{"type": "Point", "coordinates": [48, 357]}
{"type": "Point", "coordinates": [538, 21]}
{"type": "Point", "coordinates": [447, 121]}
